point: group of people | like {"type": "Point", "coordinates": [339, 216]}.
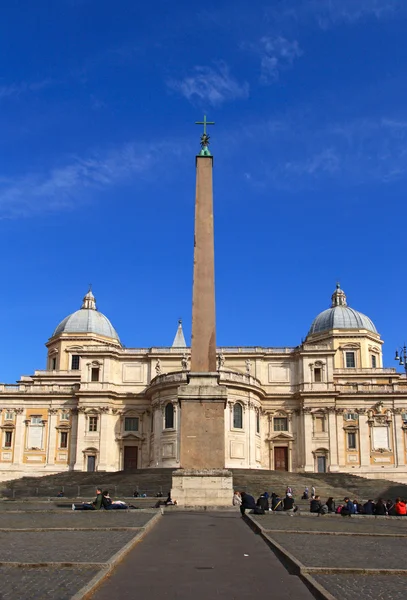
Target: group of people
{"type": "Point", "coordinates": [265, 502]}
{"type": "Point", "coordinates": [348, 507]}
{"type": "Point", "coordinates": [102, 500]}
{"type": "Point", "coordinates": [379, 508]}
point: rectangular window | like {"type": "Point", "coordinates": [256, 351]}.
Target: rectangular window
{"type": "Point", "coordinates": [257, 421]}
{"type": "Point", "coordinates": [131, 424]}
{"type": "Point", "coordinates": [93, 423]}
{"type": "Point", "coordinates": [352, 441]}
{"type": "Point", "coordinates": [9, 416]}
{"type": "Point", "coordinates": [54, 364]}
{"type": "Point", "coordinates": [374, 361]}
{"type": "Point", "coordinates": [351, 417]}
{"type": "Point", "coordinates": [95, 374]}
{"type": "Point", "coordinates": [75, 362]}
{"type": "Point", "coordinates": [8, 439]}
{"type": "Point", "coordinates": [63, 443]}
{"type": "Point", "coordinates": [36, 420]}
{"type": "Point", "coordinates": [319, 424]}
{"type": "Point", "coordinates": [64, 416]}
{"type": "Point", "coordinates": [350, 360]}
{"type": "Point", "coordinates": [280, 424]}
{"type": "Point", "coordinates": [318, 375]}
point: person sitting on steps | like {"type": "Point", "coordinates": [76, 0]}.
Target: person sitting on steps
{"type": "Point", "coordinates": [95, 505]}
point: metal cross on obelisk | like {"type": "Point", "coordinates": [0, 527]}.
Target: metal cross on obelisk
{"type": "Point", "coordinates": [204, 136]}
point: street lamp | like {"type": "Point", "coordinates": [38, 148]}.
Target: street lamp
{"type": "Point", "coordinates": [402, 357]}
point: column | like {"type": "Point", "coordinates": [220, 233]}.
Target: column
{"type": "Point", "coordinates": [364, 440]}
{"type": "Point", "coordinates": [333, 441]}
{"type": "Point", "coordinates": [52, 436]}
{"type": "Point", "coordinates": [309, 466]}
{"type": "Point", "coordinates": [19, 439]}
{"type": "Point", "coordinates": [103, 439]}
{"type": "Point", "coordinates": [399, 452]}
{"type": "Point", "coordinates": [340, 436]}
{"type": "Point", "coordinates": [80, 440]}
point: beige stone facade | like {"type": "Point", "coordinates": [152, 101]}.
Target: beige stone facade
{"type": "Point", "coordinates": [327, 404]}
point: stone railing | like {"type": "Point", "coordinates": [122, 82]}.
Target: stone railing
{"type": "Point", "coordinates": [371, 388]}
{"type": "Point", "coordinates": [242, 378]}
{"type": "Point", "coordinates": [355, 371]}
{"type": "Point", "coordinates": [35, 389]}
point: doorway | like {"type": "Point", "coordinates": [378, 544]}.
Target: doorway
{"type": "Point", "coordinates": [281, 458]}
{"type": "Point", "coordinates": [130, 458]}
{"type": "Point", "coordinates": [321, 464]}
{"type": "Point", "coordinates": [91, 463]}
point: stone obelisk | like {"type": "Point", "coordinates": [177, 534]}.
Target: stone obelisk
{"type": "Point", "coordinates": [203, 400]}
{"type": "Point", "coordinates": [203, 339]}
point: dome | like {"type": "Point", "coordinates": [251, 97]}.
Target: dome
{"type": "Point", "coordinates": [87, 320]}
{"type": "Point", "coordinates": [341, 316]}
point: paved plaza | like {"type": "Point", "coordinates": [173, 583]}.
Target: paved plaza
{"type": "Point", "coordinates": [58, 554]}
{"type": "Point", "coordinates": [66, 555]}
{"type": "Point", "coordinates": [351, 558]}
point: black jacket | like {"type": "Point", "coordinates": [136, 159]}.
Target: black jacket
{"type": "Point", "coordinates": [248, 501]}
{"type": "Point", "coordinates": [368, 508]}
{"type": "Point", "coordinates": [263, 503]}
{"type": "Point", "coordinates": [315, 506]}
{"type": "Point", "coordinates": [276, 503]}
{"type": "Point", "coordinates": [288, 503]}
{"type": "Point", "coordinates": [380, 509]}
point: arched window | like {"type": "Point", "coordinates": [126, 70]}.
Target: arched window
{"type": "Point", "coordinates": [169, 416]}
{"type": "Point", "coordinates": [238, 416]}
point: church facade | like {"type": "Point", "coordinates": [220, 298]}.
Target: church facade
{"type": "Point", "coordinates": [327, 405]}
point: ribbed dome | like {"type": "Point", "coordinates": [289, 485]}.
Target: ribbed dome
{"type": "Point", "coordinates": [87, 320]}
{"type": "Point", "coordinates": [341, 316]}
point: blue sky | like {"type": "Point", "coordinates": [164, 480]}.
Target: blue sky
{"type": "Point", "coordinates": [97, 152]}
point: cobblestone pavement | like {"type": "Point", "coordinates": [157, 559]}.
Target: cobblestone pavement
{"type": "Point", "coordinates": [32, 506]}
{"type": "Point", "coordinates": [77, 519]}
{"type": "Point", "coordinates": [368, 587]}
{"type": "Point", "coordinates": [62, 546]}
{"type": "Point", "coordinates": [43, 583]}
{"type": "Point", "coordinates": [53, 581]}
{"type": "Point", "coordinates": [331, 524]}
{"type": "Point", "coordinates": [342, 551]}
{"type": "Point", "coordinates": [201, 555]}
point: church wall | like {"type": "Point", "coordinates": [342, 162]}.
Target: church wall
{"type": "Point", "coordinates": [286, 382]}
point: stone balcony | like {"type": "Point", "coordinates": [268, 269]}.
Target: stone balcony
{"type": "Point", "coordinates": [231, 378]}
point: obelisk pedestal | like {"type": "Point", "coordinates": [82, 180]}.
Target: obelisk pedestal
{"type": "Point", "coordinates": [202, 479]}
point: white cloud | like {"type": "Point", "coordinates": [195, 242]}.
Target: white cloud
{"type": "Point", "coordinates": [214, 85]}
{"type": "Point", "coordinates": [300, 152]}
{"type": "Point", "coordinates": [66, 186]}
{"type": "Point", "coordinates": [276, 54]}
{"type": "Point", "coordinates": [23, 87]}
{"type": "Point", "coordinates": [327, 13]}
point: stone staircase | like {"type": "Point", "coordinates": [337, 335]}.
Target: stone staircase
{"type": "Point", "coordinates": [76, 484]}
{"type": "Point", "coordinates": [337, 485]}
{"type": "Point", "coordinates": [151, 481]}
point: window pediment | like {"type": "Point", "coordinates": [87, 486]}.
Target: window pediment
{"type": "Point", "coordinates": [281, 435]}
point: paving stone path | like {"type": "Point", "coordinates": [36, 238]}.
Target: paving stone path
{"type": "Point", "coordinates": [201, 555]}
{"type": "Point", "coordinates": [35, 561]}
{"type": "Point", "coordinates": [366, 549]}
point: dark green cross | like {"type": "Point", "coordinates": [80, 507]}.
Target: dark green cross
{"type": "Point", "coordinates": [204, 123]}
